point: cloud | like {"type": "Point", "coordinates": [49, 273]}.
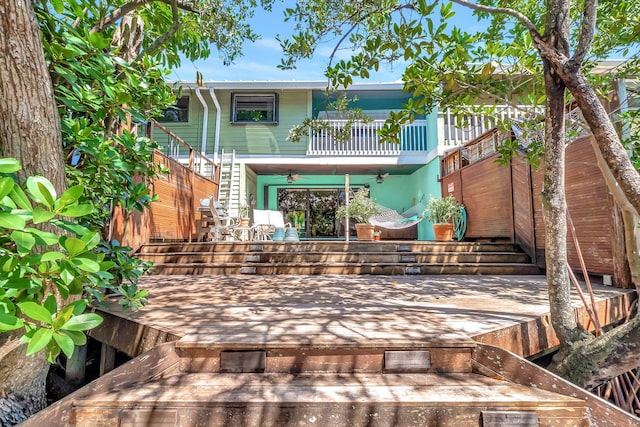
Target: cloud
{"type": "Point", "coordinates": [268, 43]}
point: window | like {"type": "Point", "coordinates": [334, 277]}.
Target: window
{"type": "Point", "coordinates": [179, 113]}
{"type": "Point", "coordinates": [254, 108]}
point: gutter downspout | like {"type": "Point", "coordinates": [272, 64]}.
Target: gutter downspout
{"type": "Point", "coordinates": [205, 122]}
{"type": "Point", "coordinates": [216, 144]}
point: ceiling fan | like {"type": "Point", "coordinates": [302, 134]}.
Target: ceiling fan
{"type": "Point", "coordinates": [292, 177]}
{"type": "Point", "coordinates": [381, 177]}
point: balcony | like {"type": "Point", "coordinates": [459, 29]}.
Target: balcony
{"type": "Point", "coordinates": [365, 140]}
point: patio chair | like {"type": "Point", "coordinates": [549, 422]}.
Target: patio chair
{"type": "Point", "coordinates": [266, 222]}
{"type": "Point", "coordinates": [215, 220]}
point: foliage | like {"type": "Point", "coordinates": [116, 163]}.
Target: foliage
{"type": "Point", "coordinates": [38, 268]}
{"type": "Point", "coordinates": [442, 210]}
{"type": "Point", "coordinates": [340, 106]}
{"type": "Point", "coordinates": [538, 57]}
{"type": "Point", "coordinates": [361, 207]}
{"type": "Point", "coordinates": [449, 66]}
{"type": "Point", "coordinates": [100, 85]}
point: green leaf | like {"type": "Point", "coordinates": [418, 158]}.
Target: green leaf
{"type": "Point", "coordinates": [12, 221]}
{"type": "Point", "coordinates": [41, 190]}
{"type": "Point", "coordinates": [77, 210]}
{"type": "Point", "coordinates": [43, 237]}
{"type": "Point", "coordinates": [79, 306]}
{"type": "Point", "coordinates": [41, 215]}
{"type": "Point", "coordinates": [66, 343]}
{"type": "Point", "coordinates": [9, 165]}
{"type": "Point", "coordinates": [10, 323]}
{"type": "Point", "coordinates": [71, 195]}
{"type": "Point", "coordinates": [52, 256]}
{"type": "Point", "coordinates": [83, 322]}
{"type": "Point", "coordinates": [91, 239]}
{"type": "Point", "coordinates": [73, 245]}
{"type": "Point", "coordinates": [39, 341]}
{"type": "Point", "coordinates": [86, 264]}
{"type": "Point", "coordinates": [24, 241]}
{"type": "Point", "coordinates": [78, 337]}
{"type": "Point", "coordinates": [58, 6]}
{"type": "Point", "coordinates": [50, 304]}
{"type": "Point", "coordinates": [62, 317]}
{"type": "Point", "coordinates": [20, 198]}
{"type": "Point", "coordinates": [35, 312]}
{"type": "Point", "coordinates": [67, 276]}
{"type": "Point", "coordinates": [6, 185]}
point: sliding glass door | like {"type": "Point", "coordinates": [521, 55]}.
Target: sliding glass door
{"type": "Point", "coordinates": [311, 210]}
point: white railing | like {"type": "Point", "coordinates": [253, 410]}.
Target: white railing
{"type": "Point", "coordinates": [454, 130]}
{"type": "Point", "coordinates": [176, 148]}
{"type": "Point", "coordinates": [364, 140]}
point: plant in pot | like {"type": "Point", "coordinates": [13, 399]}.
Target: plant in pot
{"type": "Point", "coordinates": [243, 213]}
{"type": "Point", "coordinates": [361, 208]}
{"type": "Point", "coordinates": [442, 213]}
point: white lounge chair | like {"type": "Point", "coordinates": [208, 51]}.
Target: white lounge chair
{"type": "Point", "coordinates": [265, 222]}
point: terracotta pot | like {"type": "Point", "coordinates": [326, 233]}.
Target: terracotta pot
{"type": "Point", "coordinates": [443, 232]}
{"type": "Point", "coordinates": [365, 231]}
{"type": "Point", "coordinates": [244, 222]}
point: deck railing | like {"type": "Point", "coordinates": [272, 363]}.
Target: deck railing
{"type": "Point", "coordinates": [482, 147]}
{"type": "Point", "coordinates": [176, 148]}
{"type": "Point", "coordinates": [456, 130]}
{"type": "Point", "coordinates": [365, 141]}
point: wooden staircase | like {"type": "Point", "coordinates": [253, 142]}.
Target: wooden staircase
{"type": "Point", "coordinates": [337, 257]}
{"type": "Point", "coordinates": [216, 380]}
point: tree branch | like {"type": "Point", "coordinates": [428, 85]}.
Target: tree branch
{"type": "Point", "coordinates": [503, 11]}
{"type": "Point", "coordinates": [118, 13]}
{"type": "Point", "coordinates": [166, 36]}
{"type": "Point", "coordinates": [586, 31]}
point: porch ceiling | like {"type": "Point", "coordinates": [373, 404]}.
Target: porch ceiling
{"type": "Point", "coordinates": [307, 169]}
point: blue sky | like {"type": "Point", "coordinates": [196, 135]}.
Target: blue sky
{"type": "Point", "coordinates": [261, 58]}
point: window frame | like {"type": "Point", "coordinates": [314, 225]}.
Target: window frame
{"type": "Point", "coordinates": [273, 99]}
{"type": "Point", "coordinates": [181, 112]}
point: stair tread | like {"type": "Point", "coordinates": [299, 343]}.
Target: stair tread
{"type": "Point", "coordinates": [342, 264]}
{"type": "Point", "coordinates": [258, 339]}
{"type": "Point", "coordinates": [406, 389]}
{"type": "Point", "coordinates": [297, 253]}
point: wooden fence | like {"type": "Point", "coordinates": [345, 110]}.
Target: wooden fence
{"type": "Point", "coordinates": [173, 216]}
{"type": "Point", "coordinates": [504, 204]}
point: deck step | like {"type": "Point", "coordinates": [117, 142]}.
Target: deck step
{"type": "Point", "coordinates": [346, 268]}
{"type": "Point", "coordinates": [333, 257]}
{"type": "Point", "coordinates": [328, 246]}
{"type": "Point", "coordinates": [336, 257]}
{"type": "Point", "coordinates": [328, 400]}
{"type": "Point", "coordinates": [253, 352]}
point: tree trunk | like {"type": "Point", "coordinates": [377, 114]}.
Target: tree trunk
{"type": "Point", "coordinates": [30, 132]}
{"type": "Point", "coordinates": [555, 214]}
{"type": "Point", "coordinates": [29, 119]}
{"type": "Point", "coordinates": [622, 179]}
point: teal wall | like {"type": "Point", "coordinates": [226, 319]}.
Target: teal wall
{"type": "Point", "coordinates": [366, 100]}
{"type": "Point", "coordinates": [398, 192]}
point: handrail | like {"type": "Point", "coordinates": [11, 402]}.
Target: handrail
{"type": "Point", "coordinates": [484, 146]}
{"type": "Point", "coordinates": [204, 166]}
{"type": "Point", "coordinates": [364, 140]}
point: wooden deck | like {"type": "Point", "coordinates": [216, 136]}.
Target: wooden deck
{"type": "Point", "coordinates": [339, 351]}
{"type": "Point", "coordinates": [507, 311]}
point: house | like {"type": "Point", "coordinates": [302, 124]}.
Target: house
{"type": "Point", "coordinates": [244, 126]}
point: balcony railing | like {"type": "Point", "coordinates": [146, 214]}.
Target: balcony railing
{"type": "Point", "coordinates": [365, 141]}
{"type": "Point", "coordinates": [456, 130]}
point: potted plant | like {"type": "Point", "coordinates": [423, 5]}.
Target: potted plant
{"type": "Point", "coordinates": [442, 213]}
{"type": "Point", "coordinates": [243, 213]}
{"type": "Point", "coordinates": [361, 207]}
{"type": "Point", "coordinates": [377, 234]}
